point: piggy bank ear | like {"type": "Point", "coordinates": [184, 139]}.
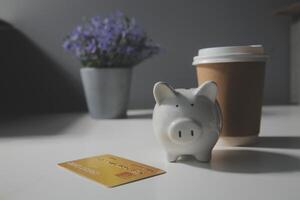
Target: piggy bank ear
{"type": "Point", "coordinates": [162, 91]}
{"type": "Point", "coordinates": [208, 89]}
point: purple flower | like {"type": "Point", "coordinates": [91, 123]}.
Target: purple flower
{"type": "Point", "coordinates": [67, 45]}
{"type": "Point", "coordinates": [113, 41]}
{"type": "Point", "coordinates": [91, 46]}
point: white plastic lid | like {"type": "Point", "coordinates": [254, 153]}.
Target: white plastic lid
{"type": "Point", "coordinates": [230, 54]}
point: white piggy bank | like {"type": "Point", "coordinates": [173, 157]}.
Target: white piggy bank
{"type": "Point", "coordinates": [187, 121]}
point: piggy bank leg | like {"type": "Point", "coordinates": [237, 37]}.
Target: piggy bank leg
{"type": "Point", "coordinates": [172, 157]}
{"type": "Point", "coordinates": [203, 156]}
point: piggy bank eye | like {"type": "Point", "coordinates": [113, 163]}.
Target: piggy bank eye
{"type": "Point", "coordinates": [192, 104]}
{"type": "Point", "coordinates": [177, 105]}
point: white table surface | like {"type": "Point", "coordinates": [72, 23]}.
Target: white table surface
{"type": "Point", "coordinates": [31, 147]}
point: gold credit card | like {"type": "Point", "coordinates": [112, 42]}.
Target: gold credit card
{"type": "Point", "coordinates": [111, 170]}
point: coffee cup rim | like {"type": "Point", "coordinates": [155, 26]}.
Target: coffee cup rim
{"type": "Point", "coordinates": [246, 53]}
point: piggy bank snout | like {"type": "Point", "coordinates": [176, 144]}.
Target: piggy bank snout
{"type": "Point", "coordinates": [184, 130]}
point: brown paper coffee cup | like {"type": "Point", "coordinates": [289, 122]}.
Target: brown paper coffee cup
{"type": "Point", "coordinates": [239, 73]}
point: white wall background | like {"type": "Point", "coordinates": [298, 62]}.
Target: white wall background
{"type": "Point", "coordinates": [181, 27]}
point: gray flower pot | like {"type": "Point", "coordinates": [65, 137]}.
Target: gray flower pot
{"type": "Point", "coordinates": [106, 91]}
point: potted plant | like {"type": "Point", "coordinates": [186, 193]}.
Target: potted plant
{"type": "Point", "coordinates": [108, 48]}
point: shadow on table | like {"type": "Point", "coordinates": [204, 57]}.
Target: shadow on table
{"type": "Point", "coordinates": [277, 142]}
{"type": "Point", "coordinates": [38, 125]}
{"type": "Point", "coordinates": [246, 161]}
{"type": "Point", "coordinates": [139, 114]}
